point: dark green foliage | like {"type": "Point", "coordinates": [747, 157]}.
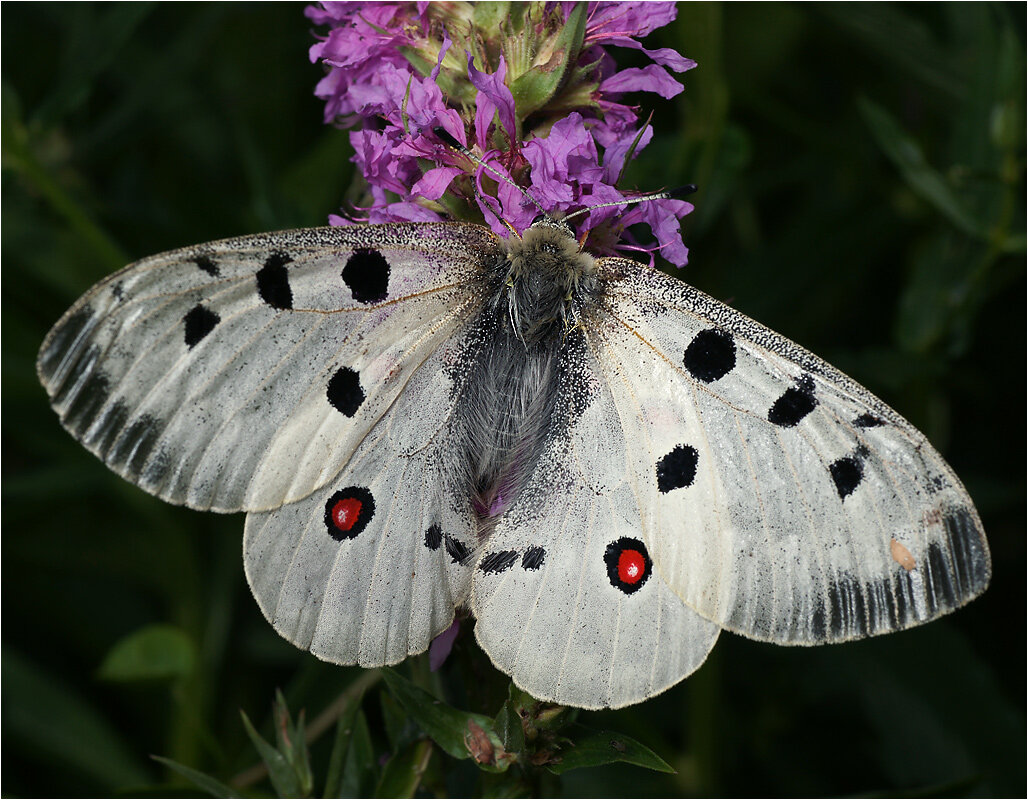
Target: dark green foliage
{"type": "Point", "coordinates": [861, 174]}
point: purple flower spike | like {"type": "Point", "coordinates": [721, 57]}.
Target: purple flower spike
{"type": "Point", "coordinates": [395, 72]}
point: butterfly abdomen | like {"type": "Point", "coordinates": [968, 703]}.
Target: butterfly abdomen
{"type": "Point", "coordinates": [516, 380]}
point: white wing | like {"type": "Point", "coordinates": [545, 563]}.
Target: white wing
{"type": "Point", "coordinates": [564, 594]}
{"type": "Point", "coordinates": [778, 498]}
{"type": "Point", "coordinates": [242, 374]}
{"type": "Point", "coordinates": [370, 568]}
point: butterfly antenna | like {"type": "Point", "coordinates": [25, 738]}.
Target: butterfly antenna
{"type": "Point", "coordinates": [681, 191]}
{"type": "Point", "coordinates": [450, 141]}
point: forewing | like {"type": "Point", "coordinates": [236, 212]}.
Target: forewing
{"type": "Point", "coordinates": [779, 498]}
{"type": "Point", "coordinates": [369, 568]}
{"type": "Point", "coordinates": [564, 594]}
{"type": "Point", "coordinates": [242, 374]}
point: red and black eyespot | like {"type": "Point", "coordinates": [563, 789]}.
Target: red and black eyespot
{"type": "Point", "coordinates": [348, 512]}
{"type": "Point", "coordinates": [628, 564]}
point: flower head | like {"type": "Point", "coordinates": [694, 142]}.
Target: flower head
{"type": "Point", "coordinates": [531, 89]}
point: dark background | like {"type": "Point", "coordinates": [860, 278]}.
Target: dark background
{"type": "Point", "coordinates": [862, 192]}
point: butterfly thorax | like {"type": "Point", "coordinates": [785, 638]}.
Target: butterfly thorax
{"type": "Point", "coordinates": [548, 276]}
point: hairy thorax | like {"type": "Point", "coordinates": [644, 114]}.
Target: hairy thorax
{"type": "Point", "coordinates": [548, 277]}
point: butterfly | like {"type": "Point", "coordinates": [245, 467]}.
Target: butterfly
{"type": "Point", "coordinates": [603, 465]}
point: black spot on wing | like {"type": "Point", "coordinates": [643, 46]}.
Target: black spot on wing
{"type": "Point", "coordinates": [345, 392]}
{"type": "Point", "coordinates": [273, 281]}
{"type": "Point", "coordinates": [533, 558]}
{"type": "Point", "coordinates": [199, 322]}
{"type": "Point", "coordinates": [846, 473]}
{"type": "Point", "coordinates": [677, 469]}
{"type": "Point", "coordinates": [794, 404]}
{"type": "Point", "coordinates": [456, 549]}
{"type": "Point", "coordinates": [206, 263]}
{"type": "Point", "coordinates": [62, 339]}
{"type": "Point", "coordinates": [498, 562]}
{"type": "Point", "coordinates": [710, 355]}
{"type": "Point", "coordinates": [366, 274]}
{"type": "Point", "coordinates": [433, 537]}
{"type": "Point", "coordinates": [866, 420]}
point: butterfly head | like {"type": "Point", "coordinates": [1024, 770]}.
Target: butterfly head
{"type": "Point", "coordinates": [549, 250]}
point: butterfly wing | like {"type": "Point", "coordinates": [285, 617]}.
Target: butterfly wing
{"type": "Point", "coordinates": [777, 497]}
{"type": "Point", "coordinates": [369, 568]}
{"type": "Point", "coordinates": [564, 594]}
{"type": "Point", "coordinates": [242, 374]}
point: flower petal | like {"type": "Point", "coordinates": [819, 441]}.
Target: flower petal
{"type": "Point", "coordinates": [493, 98]}
{"type": "Point", "coordinates": [650, 78]}
{"type": "Point", "coordinates": [435, 182]}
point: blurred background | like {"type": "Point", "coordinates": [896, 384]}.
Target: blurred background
{"type": "Point", "coordinates": [861, 173]}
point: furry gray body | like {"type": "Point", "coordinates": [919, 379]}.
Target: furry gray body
{"type": "Point", "coordinates": [538, 289]}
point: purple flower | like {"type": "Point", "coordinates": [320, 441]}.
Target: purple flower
{"type": "Point", "coordinates": [542, 109]}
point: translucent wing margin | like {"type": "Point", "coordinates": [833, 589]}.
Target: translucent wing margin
{"type": "Point", "coordinates": [242, 374]}
{"type": "Point", "coordinates": [778, 498]}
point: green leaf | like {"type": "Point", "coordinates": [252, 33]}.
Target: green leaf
{"type": "Point", "coordinates": [340, 748]}
{"type": "Point", "coordinates": [282, 775]}
{"type": "Point", "coordinates": [202, 780]}
{"type": "Point", "coordinates": [360, 775]}
{"type": "Point", "coordinates": [292, 742]}
{"type": "Point", "coordinates": [443, 723]}
{"type": "Point", "coordinates": [536, 86]}
{"type": "Point", "coordinates": [908, 157]}
{"type": "Point", "coordinates": [394, 719]}
{"type": "Point", "coordinates": [509, 728]}
{"type": "Point", "coordinates": [154, 652]}
{"type": "Point", "coordinates": [488, 16]}
{"type": "Point", "coordinates": [402, 773]}
{"type": "Point", "coordinates": [592, 748]}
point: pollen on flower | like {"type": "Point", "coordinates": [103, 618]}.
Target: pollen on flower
{"type": "Point", "coordinates": [395, 72]}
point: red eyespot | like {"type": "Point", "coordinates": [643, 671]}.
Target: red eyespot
{"type": "Point", "coordinates": [628, 564]}
{"type": "Point", "coordinates": [348, 512]}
